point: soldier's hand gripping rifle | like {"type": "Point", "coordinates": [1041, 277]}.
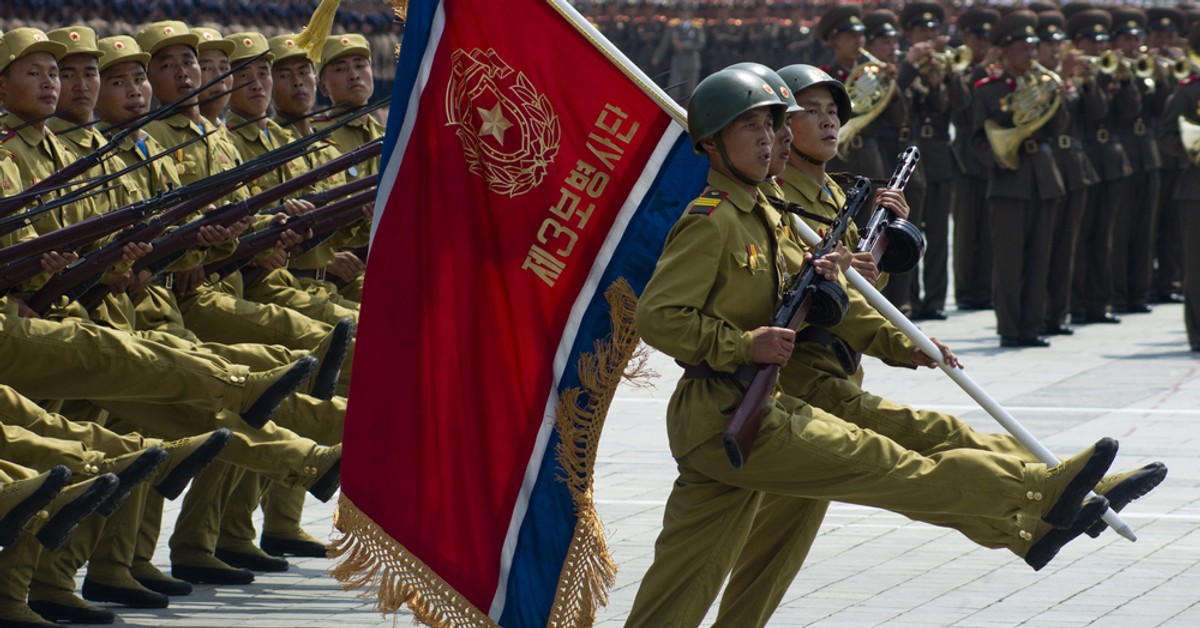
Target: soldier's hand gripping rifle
{"type": "Point", "coordinates": [808, 297]}
{"type": "Point", "coordinates": [895, 244]}
{"type": "Point", "coordinates": [321, 222]}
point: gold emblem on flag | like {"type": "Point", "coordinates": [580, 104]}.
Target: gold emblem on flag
{"type": "Point", "coordinates": [509, 132]}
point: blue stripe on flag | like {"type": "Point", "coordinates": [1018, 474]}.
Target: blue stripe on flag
{"type": "Point", "coordinates": [549, 522]}
{"type": "Point", "coordinates": [417, 27]}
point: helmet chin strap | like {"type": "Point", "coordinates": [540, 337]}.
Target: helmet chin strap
{"type": "Point", "coordinates": [733, 169]}
{"type": "Point", "coordinates": [806, 157]}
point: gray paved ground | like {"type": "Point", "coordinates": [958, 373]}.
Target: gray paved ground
{"type": "Point", "coordinates": [1133, 381]}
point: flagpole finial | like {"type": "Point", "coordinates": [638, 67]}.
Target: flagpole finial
{"type": "Point", "coordinates": [313, 37]}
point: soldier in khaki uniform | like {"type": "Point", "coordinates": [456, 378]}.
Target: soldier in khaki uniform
{"type": "Point", "coordinates": [253, 133]}
{"type": "Point", "coordinates": [294, 81]}
{"type": "Point", "coordinates": [720, 277]}
{"type": "Point", "coordinates": [215, 313]}
{"type": "Point", "coordinates": [820, 372]}
{"type": "Point", "coordinates": [344, 76]}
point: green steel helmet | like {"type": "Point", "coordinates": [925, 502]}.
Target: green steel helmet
{"type": "Point", "coordinates": [773, 79]}
{"type": "Point", "coordinates": [726, 94]}
{"type": "Point", "coordinates": [800, 77]}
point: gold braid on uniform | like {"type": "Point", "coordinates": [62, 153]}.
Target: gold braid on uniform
{"type": "Point", "coordinates": [372, 560]}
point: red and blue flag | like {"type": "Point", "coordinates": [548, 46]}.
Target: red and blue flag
{"type": "Point", "coordinates": [530, 177]}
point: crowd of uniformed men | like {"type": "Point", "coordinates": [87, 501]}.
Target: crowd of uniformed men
{"type": "Point", "coordinates": [1092, 222]}
{"type": "Point", "coordinates": [188, 354]}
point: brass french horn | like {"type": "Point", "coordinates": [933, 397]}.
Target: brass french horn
{"type": "Point", "coordinates": [1033, 103]}
{"type": "Point", "coordinates": [870, 92]}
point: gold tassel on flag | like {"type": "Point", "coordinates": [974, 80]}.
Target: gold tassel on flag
{"type": "Point", "coordinates": [313, 37]}
{"type": "Point", "coordinates": [382, 569]}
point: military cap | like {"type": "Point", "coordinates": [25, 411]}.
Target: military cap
{"type": "Point", "coordinates": [1016, 26]}
{"type": "Point", "coordinates": [211, 39]}
{"type": "Point", "coordinates": [120, 49]}
{"type": "Point", "coordinates": [922, 14]}
{"type": "Point", "coordinates": [1090, 24]}
{"type": "Point", "coordinates": [1127, 21]}
{"type": "Point", "coordinates": [880, 23]}
{"type": "Point", "coordinates": [1194, 39]}
{"type": "Point", "coordinates": [158, 35]}
{"type": "Point", "coordinates": [843, 17]}
{"type": "Point", "coordinates": [1165, 19]}
{"type": "Point", "coordinates": [24, 41]}
{"type": "Point", "coordinates": [1071, 8]}
{"type": "Point", "coordinates": [77, 39]}
{"type": "Point", "coordinates": [1051, 26]}
{"type": "Point", "coordinates": [1041, 7]}
{"type": "Point", "coordinates": [342, 45]}
{"type": "Point", "coordinates": [284, 47]}
{"type": "Point", "coordinates": [247, 45]}
{"type": "Point", "coordinates": [978, 20]}
{"type": "Point", "coordinates": [1193, 16]}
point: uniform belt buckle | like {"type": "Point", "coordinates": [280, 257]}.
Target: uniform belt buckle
{"type": "Point", "coordinates": [1139, 127]}
{"type": "Point", "coordinates": [926, 131]}
{"type": "Point", "coordinates": [1102, 136]}
{"type": "Point", "coordinates": [1031, 146]}
{"type": "Point", "coordinates": [1064, 142]}
{"type": "Point", "coordinates": [856, 142]}
{"type": "Point", "coordinates": [904, 134]}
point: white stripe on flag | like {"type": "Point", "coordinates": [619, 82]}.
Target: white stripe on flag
{"type": "Point", "coordinates": [603, 257]}
{"type": "Point", "coordinates": [387, 178]}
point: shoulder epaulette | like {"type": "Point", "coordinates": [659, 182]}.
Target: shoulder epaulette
{"type": "Point", "coordinates": [7, 134]}
{"type": "Point", "coordinates": [1189, 80]}
{"type": "Point", "coordinates": [321, 118]}
{"type": "Point", "coordinates": [985, 80]}
{"type": "Point", "coordinates": [707, 202]}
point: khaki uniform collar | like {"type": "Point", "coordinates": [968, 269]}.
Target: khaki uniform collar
{"type": "Point", "coordinates": [809, 190]}
{"type": "Point", "coordinates": [27, 133]}
{"type": "Point", "coordinates": [83, 136]}
{"type": "Point", "coordinates": [739, 197]}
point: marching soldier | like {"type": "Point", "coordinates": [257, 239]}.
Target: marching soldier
{"type": "Point", "coordinates": [294, 84]}
{"type": "Point", "coordinates": [1024, 196]}
{"type": "Point", "coordinates": [343, 76]}
{"type": "Point", "coordinates": [972, 236]}
{"type": "Point", "coordinates": [712, 507]}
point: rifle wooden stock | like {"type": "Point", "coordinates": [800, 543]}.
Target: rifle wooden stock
{"type": "Point", "coordinates": [798, 301]}
{"type": "Point", "coordinates": [742, 428]}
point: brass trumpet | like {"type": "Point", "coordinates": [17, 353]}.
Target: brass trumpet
{"type": "Point", "coordinates": [1111, 63]}
{"type": "Point", "coordinates": [952, 60]}
{"type": "Point", "coordinates": [1186, 66]}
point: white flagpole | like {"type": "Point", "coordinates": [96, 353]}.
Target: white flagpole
{"type": "Point", "coordinates": [960, 377]}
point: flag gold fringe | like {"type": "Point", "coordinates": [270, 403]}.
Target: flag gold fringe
{"type": "Point", "coordinates": [372, 560]}
{"type": "Point", "coordinates": [589, 571]}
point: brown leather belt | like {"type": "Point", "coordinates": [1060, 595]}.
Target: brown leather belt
{"type": "Point", "coordinates": [704, 371]}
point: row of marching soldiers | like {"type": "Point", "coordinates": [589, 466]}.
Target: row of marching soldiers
{"type": "Point", "coordinates": [181, 260]}
{"type": "Point", "coordinates": [1053, 138]}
